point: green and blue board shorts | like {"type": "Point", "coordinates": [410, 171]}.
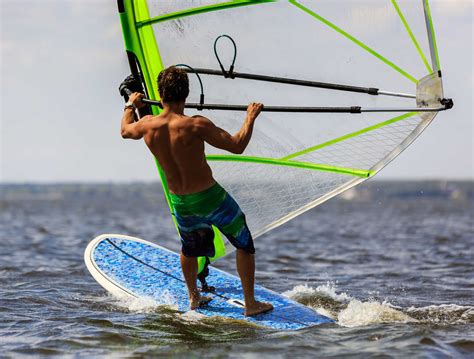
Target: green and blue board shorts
{"type": "Point", "coordinates": [195, 215]}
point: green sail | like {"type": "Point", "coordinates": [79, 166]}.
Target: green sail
{"type": "Point", "coordinates": [295, 161]}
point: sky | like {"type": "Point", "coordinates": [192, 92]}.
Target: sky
{"type": "Point", "coordinates": [62, 61]}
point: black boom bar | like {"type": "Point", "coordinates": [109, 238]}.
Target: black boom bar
{"type": "Point", "coordinates": [288, 81]}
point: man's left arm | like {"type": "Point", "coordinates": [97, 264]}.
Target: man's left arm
{"type": "Point", "coordinates": [130, 128]}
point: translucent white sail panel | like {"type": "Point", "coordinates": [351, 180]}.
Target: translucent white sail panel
{"type": "Point", "coordinates": [297, 159]}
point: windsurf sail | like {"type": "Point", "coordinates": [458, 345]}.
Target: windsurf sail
{"type": "Point", "coordinates": [346, 87]}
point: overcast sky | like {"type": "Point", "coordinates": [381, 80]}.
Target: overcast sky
{"type": "Point", "coordinates": [62, 61]}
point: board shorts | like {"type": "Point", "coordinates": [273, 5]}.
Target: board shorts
{"type": "Point", "coordinates": [195, 215]}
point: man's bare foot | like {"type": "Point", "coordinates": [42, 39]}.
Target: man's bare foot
{"type": "Point", "coordinates": [257, 308]}
{"type": "Point", "coordinates": [199, 301]}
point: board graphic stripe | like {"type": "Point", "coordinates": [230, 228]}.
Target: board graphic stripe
{"type": "Point", "coordinates": [142, 262]}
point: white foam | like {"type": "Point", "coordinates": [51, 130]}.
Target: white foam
{"type": "Point", "coordinates": [360, 313]}
{"type": "Point", "coordinates": [192, 316]}
{"type": "Point", "coordinates": [147, 304]}
{"type": "Point", "coordinates": [303, 292]}
{"type": "Point", "coordinates": [141, 305]}
{"type": "Point", "coordinates": [356, 313]}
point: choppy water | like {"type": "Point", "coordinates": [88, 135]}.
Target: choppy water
{"type": "Point", "coordinates": [392, 262]}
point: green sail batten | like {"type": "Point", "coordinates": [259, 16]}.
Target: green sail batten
{"type": "Point", "coordinates": [354, 40]}
{"type": "Point", "coordinates": [349, 135]}
{"type": "Point", "coordinates": [412, 36]}
{"type": "Point", "coordinates": [142, 43]}
{"type": "Point", "coordinates": [278, 162]}
{"type": "Point", "coordinates": [200, 10]}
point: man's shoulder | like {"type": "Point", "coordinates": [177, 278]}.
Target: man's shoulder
{"type": "Point", "coordinates": [147, 118]}
{"type": "Point", "coordinates": [199, 120]}
{"type": "Point", "coordinates": [155, 120]}
{"type": "Point", "coordinates": [152, 123]}
{"type": "Point", "coordinates": [199, 123]}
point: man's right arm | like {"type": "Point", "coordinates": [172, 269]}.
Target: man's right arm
{"type": "Point", "coordinates": [220, 138]}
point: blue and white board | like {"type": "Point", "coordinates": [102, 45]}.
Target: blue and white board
{"type": "Point", "coordinates": [128, 266]}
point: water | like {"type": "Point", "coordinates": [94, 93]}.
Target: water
{"type": "Point", "coordinates": [392, 262]}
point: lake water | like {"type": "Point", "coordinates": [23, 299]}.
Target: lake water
{"type": "Point", "coordinates": [391, 262]}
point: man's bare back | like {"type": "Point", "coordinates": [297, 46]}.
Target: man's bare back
{"type": "Point", "coordinates": [177, 141]}
{"type": "Point", "coordinates": [173, 141]}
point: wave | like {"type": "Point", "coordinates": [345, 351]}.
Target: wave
{"type": "Point", "coordinates": [352, 312]}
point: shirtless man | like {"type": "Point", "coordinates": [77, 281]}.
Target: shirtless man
{"type": "Point", "coordinates": [198, 201]}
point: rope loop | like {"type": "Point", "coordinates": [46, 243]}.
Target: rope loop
{"type": "Point", "coordinates": [201, 98]}
{"type": "Point", "coordinates": [230, 73]}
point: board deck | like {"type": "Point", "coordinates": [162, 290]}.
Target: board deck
{"type": "Point", "coordinates": [129, 266]}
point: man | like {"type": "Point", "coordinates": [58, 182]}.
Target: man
{"type": "Point", "coordinates": [198, 201]}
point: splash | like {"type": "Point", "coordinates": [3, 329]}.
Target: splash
{"type": "Point", "coordinates": [348, 311]}
{"type": "Point", "coordinates": [303, 291]}
{"type": "Point", "coordinates": [324, 298]}
{"type": "Point", "coordinates": [352, 312]}
{"type": "Point", "coordinates": [360, 313]}
{"type": "Point", "coordinates": [146, 304]}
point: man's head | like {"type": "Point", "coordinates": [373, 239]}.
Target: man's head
{"type": "Point", "coordinates": [173, 85]}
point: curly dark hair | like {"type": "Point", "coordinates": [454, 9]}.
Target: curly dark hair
{"type": "Point", "coordinates": [173, 84]}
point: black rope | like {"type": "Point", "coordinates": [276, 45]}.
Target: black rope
{"type": "Point", "coordinates": [202, 277]}
{"type": "Point", "coordinates": [230, 73]}
{"type": "Point", "coordinates": [201, 97]}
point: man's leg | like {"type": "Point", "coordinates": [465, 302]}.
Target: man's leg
{"type": "Point", "coordinates": [189, 266]}
{"type": "Point", "coordinates": [246, 270]}
{"type": "Point", "coordinates": [230, 220]}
